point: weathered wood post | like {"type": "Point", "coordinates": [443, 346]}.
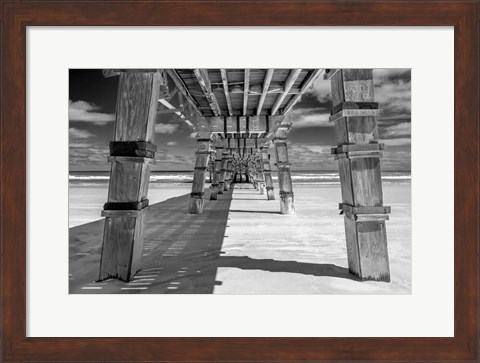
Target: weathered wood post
{"type": "Point", "coordinates": [267, 171]}
{"type": "Point", "coordinates": [358, 152]}
{"type": "Point", "coordinates": [228, 173]}
{"type": "Point", "coordinates": [198, 186]}
{"type": "Point", "coordinates": [131, 154]}
{"type": "Point", "coordinates": [260, 175]}
{"type": "Point", "coordinates": [287, 205]}
{"type": "Point", "coordinates": [253, 173]}
{"type": "Point", "coordinates": [223, 171]}
{"type": "Point", "coordinates": [216, 174]}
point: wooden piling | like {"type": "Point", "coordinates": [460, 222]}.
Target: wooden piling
{"type": "Point", "coordinates": [131, 154]}
{"type": "Point", "coordinates": [287, 204]}
{"type": "Point", "coordinates": [358, 153]}
{"type": "Point", "coordinates": [260, 175]}
{"type": "Point", "coordinates": [216, 175]}
{"type": "Point", "coordinates": [267, 171]}
{"type": "Point", "coordinates": [223, 172]}
{"type": "Point", "coordinates": [198, 186]}
{"type": "Point", "coordinates": [229, 173]}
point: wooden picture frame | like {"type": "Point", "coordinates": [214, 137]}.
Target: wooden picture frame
{"type": "Point", "coordinates": [17, 16]}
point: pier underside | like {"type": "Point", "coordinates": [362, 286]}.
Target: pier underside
{"type": "Point", "coordinates": [238, 116]}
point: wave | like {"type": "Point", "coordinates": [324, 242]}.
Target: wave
{"type": "Point", "coordinates": [185, 177]}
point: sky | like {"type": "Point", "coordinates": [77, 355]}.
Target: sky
{"type": "Point", "coordinates": [91, 116]}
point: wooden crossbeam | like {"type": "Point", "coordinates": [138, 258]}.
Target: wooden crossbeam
{"type": "Point", "coordinates": [289, 82]}
{"type": "Point", "coordinates": [313, 76]}
{"type": "Point", "coordinates": [246, 90]}
{"type": "Point", "coordinates": [223, 73]}
{"type": "Point", "coordinates": [183, 89]}
{"type": "Point", "coordinates": [266, 85]}
{"type": "Point", "coordinates": [204, 82]}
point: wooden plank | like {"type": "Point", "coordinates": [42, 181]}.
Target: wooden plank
{"type": "Point", "coordinates": [287, 205]}
{"type": "Point", "coordinates": [352, 246]}
{"type": "Point", "coordinates": [289, 82]}
{"type": "Point", "coordinates": [362, 130]}
{"type": "Point", "coordinates": [364, 210]}
{"type": "Point", "coordinates": [353, 113]}
{"type": "Point", "coordinates": [266, 85]}
{"type": "Point", "coordinates": [183, 89]}
{"type": "Point", "coordinates": [223, 73]}
{"type": "Point", "coordinates": [246, 90]}
{"type": "Point", "coordinates": [309, 83]}
{"type": "Point", "coordinates": [345, 181]}
{"type": "Point", "coordinates": [366, 182]}
{"type": "Point", "coordinates": [205, 85]}
{"type": "Point", "coordinates": [139, 93]}
{"type": "Point", "coordinates": [336, 84]}
{"type": "Point", "coordinates": [359, 147]}
{"type": "Point", "coordinates": [373, 251]}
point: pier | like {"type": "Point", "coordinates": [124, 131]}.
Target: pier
{"type": "Point", "coordinates": [239, 116]}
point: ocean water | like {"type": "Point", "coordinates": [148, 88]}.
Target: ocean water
{"type": "Point", "coordinates": [85, 178]}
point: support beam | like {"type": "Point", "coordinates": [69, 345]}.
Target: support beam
{"type": "Point", "coordinates": [229, 173]}
{"type": "Point", "coordinates": [223, 73]}
{"type": "Point", "coordinates": [223, 172]}
{"type": "Point", "coordinates": [287, 205]}
{"type": "Point", "coordinates": [260, 175]}
{"type": "Point", "coordinates": [198, 186]}
{"type": "Point", "coordinates": [358, 153]}
{"type": "Point", "coordinates": [289, 82]}
{"type": "Point", "coordinates": [177, 80]}
{"type": "Point", "coordinates": [267, 171]}
{"type": "Point", "coordinates": [132, 153]}
{"type": "Point", "coordinates": [216, 174]}
{"type": "Point", "coordinates": [204, 82]}
{"type": "Point", "coordinates": [266, 85]}
{"type": "Point", "coordinates": [246, 89]}
{"type": "Point", "coordinates": [306, 85]}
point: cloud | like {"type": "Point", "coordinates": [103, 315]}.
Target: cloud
{"type": "Point", "coordinates": [87, 112]}
{"type": "Point", "coordinates": [310, 117]}
{"type": "Point", "coordinates": [309, 156]}
{"type": "Point", "coordinates": [163, 156]}
{"type": "Point", "coordinates": [397, 142]}
{"type": "Point", "coordinates": [171, 143]}
{"type": "Point", "coordinates": [165, 128]}
{"type": "Point", "coordinates": [86, 154]}
{"type": "Point", "coordinates": [398, 130]}
{"type": "Point", "coordinates": [396, 160]}
{"type": "Point", "coordinates": [321, 90]}
{"type": "Point", "coordinates": [393, 93]}
{"type": "Point", "coordinates": [75, 133]}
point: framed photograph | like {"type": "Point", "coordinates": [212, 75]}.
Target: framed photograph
{"type": "Point", "coordinates": [240, 181]}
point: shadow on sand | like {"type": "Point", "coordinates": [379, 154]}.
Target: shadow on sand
{"type": "Point", "coordinates": [181, 252]}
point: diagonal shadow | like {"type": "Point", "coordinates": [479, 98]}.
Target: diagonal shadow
{"type": "Point", "coordinates": [179, 248]}
{"type": "Point", "coordinates": [181, 252]}
{"type": "Point", "coordinates": [252, 211]}
{"type": "Point", "coordinates": [248, 263]}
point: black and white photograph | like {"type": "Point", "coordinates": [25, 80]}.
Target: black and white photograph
{"type": "Point", "coordinates": [240, 181]}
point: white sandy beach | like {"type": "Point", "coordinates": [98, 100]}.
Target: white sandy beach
{"type": "Point", "coordinates": [252, 250]}
{"type": "Point", "coordinates": [310, 241]}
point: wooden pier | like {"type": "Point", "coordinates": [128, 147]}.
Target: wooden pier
{"type": "Point", "coordinates": [238, 115]}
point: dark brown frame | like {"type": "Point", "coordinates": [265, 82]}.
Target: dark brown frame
{"type": "Point", "coordinates": [16, 16]}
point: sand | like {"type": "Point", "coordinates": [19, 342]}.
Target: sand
{"type": "Point", "coordinates": [242, 245]}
